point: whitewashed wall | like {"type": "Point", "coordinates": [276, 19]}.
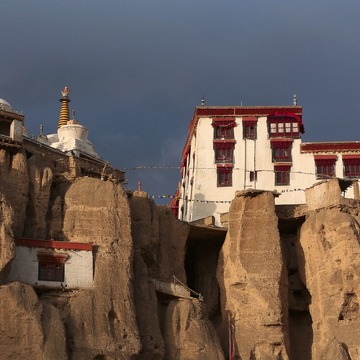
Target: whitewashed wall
{"type": "Point", "coordinates": [78, 268]}
{"type": "Point", "coordinates": [204, 195]}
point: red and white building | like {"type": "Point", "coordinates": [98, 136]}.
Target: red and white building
{"type": "Point", "coordinates": [52, 264]}
{"type": "Point", "coordinates": [242, 147]}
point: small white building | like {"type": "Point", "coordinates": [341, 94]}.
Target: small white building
{"type": "Point", "coordinates": [241, 147]}
{"type": "Point", "coordinates": [52, 264]}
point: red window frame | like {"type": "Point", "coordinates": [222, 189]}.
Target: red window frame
{"type": "Point", "coordinates": [224, 176]}
{"type": "Point", "coordinates": [223, 132]}
{"type": "Point", "coordinates": [281, 154]}
{"type": "Point", "coordinates": [51, 271]}
{"type": "Point", "coordinates": [325, 166]}
{"type": "Point", "coordinates": [351, 166]}
{"type": "Point", "coordinates": [224, 127]}
{"type": "Point", "coordinates": [281, 150]}
{"type": "Point", "coordinates": [282, 175]}
{"type": "Point", "coordinates": [250, 128]}
{"type": "Point", "coordinates": [51, 266]}
{"type": "Point", "coordinates": [249, 132]}
{"type": "Point", "coordinates": [224, 155]}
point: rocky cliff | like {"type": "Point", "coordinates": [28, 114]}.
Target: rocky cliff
{"type": "Point", "coordinates": [287, 286]}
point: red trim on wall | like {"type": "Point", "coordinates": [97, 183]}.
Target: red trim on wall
{"type": "Point", "coordinates": [323, 160]}
{"type": "Point", "coordinates": [224, 119]}
{"type": "Point", "coordinates": [325, 157]}
{"type": "Point", "coordinates": [53, 244]}
{"type": "Point", "coordinates": [354, 157]}
{"type": "Point", "coordinates": [54, 258]}
{"type": "Point", "coordinates": [246, 110]}
{"type": "Point", "coordinates": [249, 120]}
{"type": "Point", "coordinates": [330, 146]}
{"type": "Point", "coordinates": [351, 160]}
{"type": "Point", "coordinates": [282, 167]}
{"type": "Point", "coordinates": [280, 143]}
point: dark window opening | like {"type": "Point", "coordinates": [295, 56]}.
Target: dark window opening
{"type": "Point", "coordinates": [224, 177]}
{"type": "Point", "coordinates": [325, 171]}
{"type": "Point", "coordinates": [351, 166]}
{"type": "Point", "coordinates": [253, 175]}
{"type": "Point", "coordinates": [281, 154]}
{"type": "Point", "coordinates": [224, 132]}
{"type": "Point", "coordinates": [249, 132]}
{"type": "Point", "coordinates": [224, 155]}
{"type": "Point", "coordinates": [282, 175]}
{"type": "Point", "coordinates": [325, 167]}
{"type": "Point", "coordinates": [51, 271]}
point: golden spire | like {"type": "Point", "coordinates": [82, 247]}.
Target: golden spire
{"type": "Point", "coordinates": [64, 111]}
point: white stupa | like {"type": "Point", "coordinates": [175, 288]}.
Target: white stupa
{"type": "Point", "coordinates": [71, 137]}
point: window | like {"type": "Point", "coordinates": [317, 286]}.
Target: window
{"type": "Point", "coordinates": [224, 127]}
{"type": "Point", "coordinates": [352, 170]}
{"type": "Point", "coordinates": [285, 125]}
{"type": "Point", "coordinates": [284, 129]}
{"type": "Point", "coordinates": [281, 150]}
{"type": "Point", "coordinates": [253, 176]}
{"type": "Point", "coordinates": [222, 132]}
{"type": "Point", "coordinates": [281, 154]}
{"type": "Point", "coordinates": [224, 150]}
{"type": "Point", "coordinates": [224, 176]}
{"type": "Point", "coordinates": [224, 155]}
{"type": "Point", "coordinates": [249, 128]}
{"type": "Point", "coordinates": [51, 266]}
{"type": "Point", "coordinates": [282, 175]}
{"type": "Point", "coordinates": [351, 166]}
{"type": "Point", "coordinates": [325, 166]}
{"type": "Point", "coordinates": [51, 272]}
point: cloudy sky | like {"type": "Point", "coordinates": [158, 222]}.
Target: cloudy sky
{"type": "Point", "coordinates": [137, 68]}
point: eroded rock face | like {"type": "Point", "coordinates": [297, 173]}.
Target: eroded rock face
{"type": "Point", "coordinates": [29, 329]}
{"type": "Point", "coordinates": [188, 332]}
{"type": "Point", "coordinates": [41, 177]}
{"type": "Point", "coordinates": [329, 256]}
{"type": "Point", "coordinates": [7, 246]}
{"type": "Point", "coordinates": [14, 186]}
{"type": "Point", "coordinates": [102, 321]}
{"type": "Point", "coordinates": [252, 279]}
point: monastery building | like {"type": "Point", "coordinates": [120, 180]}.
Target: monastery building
{"type": "Point", "coordinates": [255, 147]}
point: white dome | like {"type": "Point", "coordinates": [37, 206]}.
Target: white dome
{"type": "Point", "coordinates": [4, 105]}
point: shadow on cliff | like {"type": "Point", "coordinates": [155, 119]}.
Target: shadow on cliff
{"type": "Point", "coordinates": [299, 298]}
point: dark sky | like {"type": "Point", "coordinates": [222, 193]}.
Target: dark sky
{"type": "Point", "coordinates": [136, 69]}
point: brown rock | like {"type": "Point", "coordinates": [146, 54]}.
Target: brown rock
{"type": "Point", "coordinates": [160, 242]}
{"type": "Point", "coordinates": [328, 263]}
{"type": "Point", "coordinates": [335, 350]}
{"type": "Point", "coordinates": [29, 329]}
{"type": "Point", "coordinates": [252, 278]}
{"type": "Point", "coordinates": [7, 246]}
{"type": "Point", "coordinates": [14, 185]}
{"type": "Point", "coordinates": [41, 177]}
{"type": "Point", "coordinates": [189, 334]}
{"type": "Point", "coordinates": [102, 321]}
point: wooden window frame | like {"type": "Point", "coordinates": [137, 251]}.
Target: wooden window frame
{"type": "Point", "coordinates": [281, 154]}
{"type": "Point", "coordinates": [351, 166]}
{"type": "Point", "coordinates": [282, 175]}
{"type": "Point", "coordinates": [224, 176]}
{"type": "Point", "coordinates": [51, 266]}
{"type": "Point", "coordinates": [325, 167]}
{"type": "Point", "coordinates": [224, 155]}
